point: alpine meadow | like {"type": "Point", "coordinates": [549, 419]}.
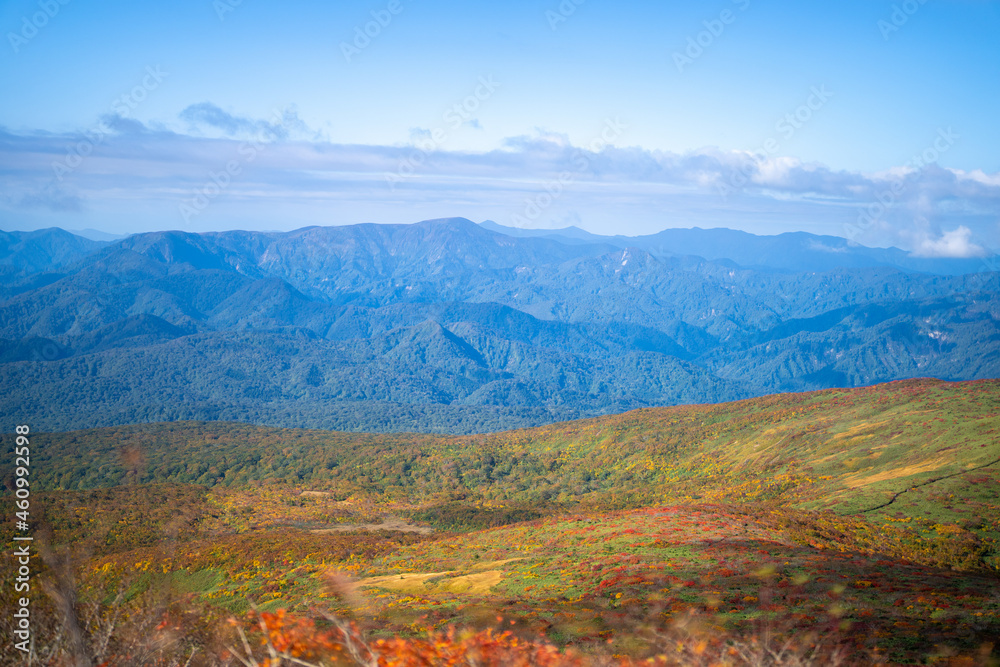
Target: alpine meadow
{"type": "Point", "coordinates": [548, 333]}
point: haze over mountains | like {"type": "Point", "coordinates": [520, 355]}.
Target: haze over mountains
{"type": "Point", "coordinates": [449, 326]}
{"type": "Point", "coordinates": [791, 251]}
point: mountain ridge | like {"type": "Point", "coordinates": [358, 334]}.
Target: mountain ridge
{"type": "Point", "coordinates": [452, 319]}
{"type": "Point", "coordinates": [786, 252]}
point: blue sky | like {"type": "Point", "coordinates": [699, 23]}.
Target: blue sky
{"type": "Point", "coordinates": [866, 119]}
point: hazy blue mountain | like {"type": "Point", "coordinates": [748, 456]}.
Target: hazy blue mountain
{"type": "Point", "coordinates": [571, 234]}
{"type": "Point", "coordinates": [97, 235]}
{"type": "Point", "coordinates": [45, 250]}
{"type": "Point", "coordinates": [791, 251]}
{"type": "Point", "coordinates": [447, 325]}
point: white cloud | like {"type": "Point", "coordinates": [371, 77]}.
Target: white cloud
{"type": "Point", "coordinates": [822, 247]}
{"type": "Point", "coordinates": [207, 119]}
{"type": "Point", "coordinates": [295, 172]}
{"type": "Point", "coordinates": [954, 244]}
{"type": "Point", "coordinates": [978, 176]}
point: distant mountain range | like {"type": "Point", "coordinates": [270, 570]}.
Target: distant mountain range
{"type": "Point", "coordinates": [791, 251]}
{"type": "Point", "coordinates": [41, 251]}
{"type": "Point", "coordinates": [450, 326]}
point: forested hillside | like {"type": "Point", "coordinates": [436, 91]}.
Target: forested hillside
{"type": "Point", "coordinates": [446, 326]}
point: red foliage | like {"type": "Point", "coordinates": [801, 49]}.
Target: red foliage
{"type": "Point", "coordinates": [300, 638]}
{"type": "Point", "coordinates": [486, 648]}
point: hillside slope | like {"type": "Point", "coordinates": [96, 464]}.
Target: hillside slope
{"type": "Point", "coordinates": [877, 450]}
{"type": "Point", "coordinates": [447, 327]}
{"type": "Point", "coordinates": [855, 523]}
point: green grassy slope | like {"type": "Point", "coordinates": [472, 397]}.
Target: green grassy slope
{"type": "Point", "coordinates": [909, 447]}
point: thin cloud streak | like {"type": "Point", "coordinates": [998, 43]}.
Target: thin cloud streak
{"type": "Point", "coordinates": [283, 165]}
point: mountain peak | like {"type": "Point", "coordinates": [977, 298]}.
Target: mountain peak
{"type": "Point", "coordinates": [44, 249]}
{"type": "Point", "coordinates": [447, 222]}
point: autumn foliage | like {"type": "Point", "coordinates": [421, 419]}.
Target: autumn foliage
{"type": "Point", "coordinates": [860, 525]}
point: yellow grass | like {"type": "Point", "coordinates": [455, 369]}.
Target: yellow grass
{"type": "Point", "coordinates": [477, 583]}
{"type": "Point", "coordinates": [438, 582]}
{"type": "Point", "coordinates": [929, 465]}
{"type": "Point", "coordinates": [859, 428]}
{"type": "Point", "coordinates": [389, 523]}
